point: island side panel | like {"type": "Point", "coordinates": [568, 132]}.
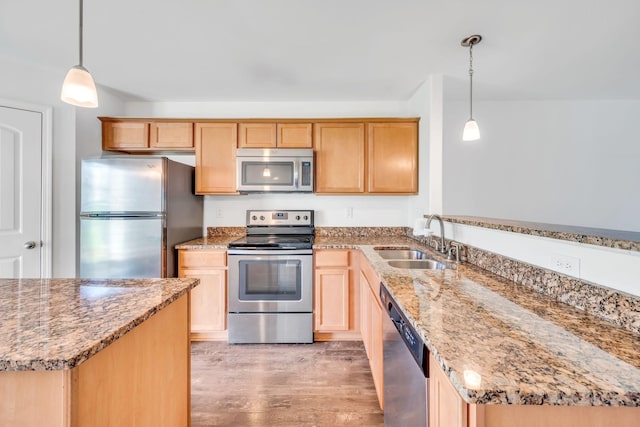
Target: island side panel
{"type": "Point", "coordinates": [141, 379]}
{"type": "Point", "coordinates": [34, 398]}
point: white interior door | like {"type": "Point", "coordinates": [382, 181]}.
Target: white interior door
{"type": "Point", "coordinates": [20, 193]}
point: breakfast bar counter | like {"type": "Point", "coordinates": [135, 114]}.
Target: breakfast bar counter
{"type": "Point", "coordinates": [510, 352]}
{"type": "Point", "coordinates": [94, 352]}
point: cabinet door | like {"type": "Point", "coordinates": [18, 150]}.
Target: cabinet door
{"type": "Point", "coordinates": [446, 407]}
{"type": "Point", "coordinates": [257, 135]}
{"type": "Point", "coordinates": [208, 300]}
{"type": "Point", "coordinates": [365, 313]}
{"type": "Point", "coordinates": [125, 135]}
{"type": "Point", "coordinates": [216, 158]}
{"type": "Point", "coordinates": [339, 150]}
{"type": "Point", "coordinates": [171, 136]}
{"type": "Point", "coordinates": [331, 299]}
{"type": "Point", "coordinates": [376, 360]}
{"type": "Point", "coordinates": [294, 135]}
{"type": "Point", "coordinates": [392, 157]}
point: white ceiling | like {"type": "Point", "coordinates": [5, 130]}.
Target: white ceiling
{"type": "Point", "coordinates": [333, 50]}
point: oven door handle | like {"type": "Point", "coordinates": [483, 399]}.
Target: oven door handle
{"type": "Point", "coordinates": [271, 252]}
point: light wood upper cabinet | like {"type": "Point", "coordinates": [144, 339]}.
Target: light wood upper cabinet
{"type": "Point", "coordinates": [171, 135]}
{"type": "Point", "coordinates": [274, 135]}
{"type": "Point", "coordinates": [257, 135]}
{"type": "Point", "coordinates": [392, 157]}
{"type": "Point", "coordinates": [125, 135]}
{"type": "Point", "coordinates": [216, 158]}
{"type": "Point", "coordinates": [294, 135]}
{"type": "Point", "coordinates": [339, 154]}
{"type": "Point", "coordinates": [146, 135]}
{"type": "Point", "coordinates": [209, 298]}
{"type": "Point", "coordinates": [384, 161]}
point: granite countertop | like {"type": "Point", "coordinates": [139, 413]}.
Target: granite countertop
{"type": "Point", "coordinates": [56, 324]}
{"type": "Point", "coordinates": [519, 346]}
{"type": "Point", "coordinates": [208, 242]}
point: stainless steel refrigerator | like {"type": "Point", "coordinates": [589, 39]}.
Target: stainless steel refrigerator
{"type": "Point", "coordinates": [134, 210]}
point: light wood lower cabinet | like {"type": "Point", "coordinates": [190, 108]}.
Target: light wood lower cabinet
{"type": "Point", "coordinates": [209, 298]}
{"type": "Point", "coordinates": [336, 296]}
{"type": "Point", "coordinates": [446, 407]}
{"type": "Point", "coordinates": [371, 312]}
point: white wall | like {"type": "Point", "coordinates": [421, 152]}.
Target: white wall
{"type": "Point", "coordinates": [612, 268]}
{"type": "Point", "coordinates": [560, 162]}
{"type": "Point", "coordinates": [330, 210]}
{"type": "Point", "coordinates": [41, 85]}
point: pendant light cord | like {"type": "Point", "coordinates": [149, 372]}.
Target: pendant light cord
{"type": "Point", "coordinates": [470, 81]}
{"type": "Point", "coordinates": [80, 33]}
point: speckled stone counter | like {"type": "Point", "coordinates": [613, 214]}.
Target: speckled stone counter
{"type": "Point", "coordinates": [618, 239]}
{"type": "Point", "coordinates": [525, 347]}
{"type": "Point", "coordinates": [56, 324]}
{"type": "Point", "coordinates": [208, 242]}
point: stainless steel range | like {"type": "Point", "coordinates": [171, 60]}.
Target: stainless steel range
{"type": "Point", "coordinates": [271, 279]}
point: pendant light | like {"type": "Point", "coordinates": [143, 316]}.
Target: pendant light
{"type": "Point", "coordinates": [78, 88]}
{"type": "Point", "coordinates": [471, 131]}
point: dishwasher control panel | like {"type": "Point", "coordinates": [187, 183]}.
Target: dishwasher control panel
{"type": "Point", "coordinates": [408, 334]}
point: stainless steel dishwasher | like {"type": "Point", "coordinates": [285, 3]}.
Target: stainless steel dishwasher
{"type": "Point", "coordinates": [405, 369]}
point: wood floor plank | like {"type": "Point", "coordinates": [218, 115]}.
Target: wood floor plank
{"type": "Point", "coordinates": [320, 384]}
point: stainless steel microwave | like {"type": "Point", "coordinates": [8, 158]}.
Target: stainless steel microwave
{"type": "Point", "coordinates": [283, 170]}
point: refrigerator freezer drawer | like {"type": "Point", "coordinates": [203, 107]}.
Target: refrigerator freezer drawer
{"type": "Point", "coordinates": [122, 247]}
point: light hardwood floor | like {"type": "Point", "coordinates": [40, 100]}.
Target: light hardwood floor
{"type": "Point", "coordinates": [320, 384]}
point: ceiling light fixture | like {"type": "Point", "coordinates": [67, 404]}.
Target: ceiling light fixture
{"type": "Point", "coordinates": [78, 88]}
{"type": "Point", "coordinates": [471, 131]}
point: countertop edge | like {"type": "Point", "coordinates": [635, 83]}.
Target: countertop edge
{"type": "Point", "coordinates": [104, 342]}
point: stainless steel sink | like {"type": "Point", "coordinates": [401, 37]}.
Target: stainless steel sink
{"type": "Point", "coordinates": [424, 264]}
{"type": "Point", "coordinates": [401, 254]}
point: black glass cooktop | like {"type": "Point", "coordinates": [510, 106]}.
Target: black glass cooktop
{"type": "Point", "coordinates": [274, 241]}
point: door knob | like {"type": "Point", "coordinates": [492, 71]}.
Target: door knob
{"type": "Point", "coordinates": [30, 245]}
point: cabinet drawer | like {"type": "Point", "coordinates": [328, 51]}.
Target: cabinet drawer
{"type": "Point", "coordinates": [332, 258]}
{"type": "Point", "coordinates": [202, 258]}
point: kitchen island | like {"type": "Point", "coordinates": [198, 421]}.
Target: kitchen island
{"type": "Point", "coordinates": [79, 352]}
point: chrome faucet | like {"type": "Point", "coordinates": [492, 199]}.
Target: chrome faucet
{"type": "Point", "coordinates": [443, 245]}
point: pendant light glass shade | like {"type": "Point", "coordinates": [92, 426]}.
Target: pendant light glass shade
{"type": "Point", "coordinates": [471, 131]}
{"type": "Point", "coordinates": [79, 89]}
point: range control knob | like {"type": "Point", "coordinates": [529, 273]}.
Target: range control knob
{"type": "Point", "coordinates": [261, 217]}
{"type": "Point", "coordinates": [305, 217]}
{"type": "Point", "coordinates": [254, 217]}
{"type": "Point", "coordinates": [298, 217]}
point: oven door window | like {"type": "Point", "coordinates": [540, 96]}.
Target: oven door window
{"type": "Point", "coordinates": [271, 280]}
{"type": "Point", "coordinates": [267, 173]}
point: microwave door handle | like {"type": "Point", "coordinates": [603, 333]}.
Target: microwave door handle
{"type": "Point", "coordinates": [296, 169]}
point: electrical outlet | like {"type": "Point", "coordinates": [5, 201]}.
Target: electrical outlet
{"type": "Point", "coordinates": [566, 265]}
{"type": "Point", "coordinates": [349, 212]}
{"type": "Point", "coordinates": [219, 213]}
